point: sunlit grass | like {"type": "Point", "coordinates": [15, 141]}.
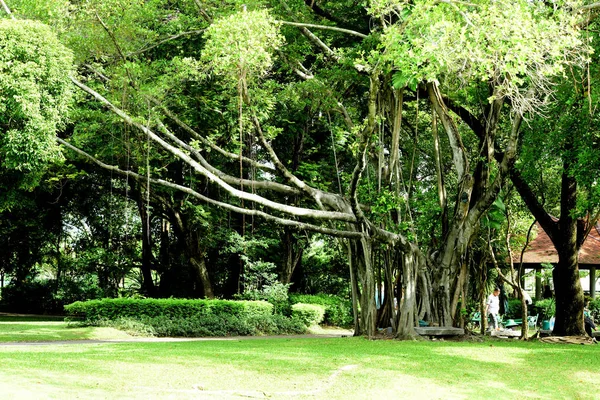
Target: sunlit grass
{"type": "Point", "coordinates": [345, 368]}
{"type": "Point", "coordinates": [283, 368]}
{"type": "Point", "coordinates": [16, 329]}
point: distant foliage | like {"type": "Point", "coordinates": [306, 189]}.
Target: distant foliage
{"type": "Point", "coordinates": [46, 295]}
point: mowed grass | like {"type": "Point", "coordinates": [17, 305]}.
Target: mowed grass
{"type": "Point", "coordinates": [41, 328]}
{"type": "Point", "coordinates": [284, 368]}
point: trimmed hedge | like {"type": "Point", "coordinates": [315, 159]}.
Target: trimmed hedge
{"type": "Point", "coordinates": [309, 314]}
{"type": "Point", "coordinates": [187, 318]}
{"type": "Point", "coordinates": [113, 309]}
{"type": "Point", "coordinates": [338, 311]}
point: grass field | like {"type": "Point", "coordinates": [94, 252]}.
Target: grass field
{"type": "Point", "coordinates": [283, 368]}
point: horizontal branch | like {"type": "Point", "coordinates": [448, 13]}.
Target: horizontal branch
{"type": "Point", "coordinates": [296, 211]}
{"type": "Point", "coordinates": [227, 206]}
{"type": "Point", "coordinates": [207, 142]}
{"type": "Point", "coordinates": [260, 185]}
{"type": "Point", "coordinates": [325, 27]}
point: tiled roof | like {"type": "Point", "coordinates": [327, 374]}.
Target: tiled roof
{"type": "Point", "coordinates": [541, 249]}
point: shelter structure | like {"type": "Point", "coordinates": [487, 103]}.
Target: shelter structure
{"type": "Point", "coordinates": [541, 250]}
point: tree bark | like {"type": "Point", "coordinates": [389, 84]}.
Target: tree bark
{"type": "Point", "coordinates": [412, 262]}
{"type": "Point", "coordinates": [147, 256]}
{"type": "Point", "coordinates": [568, 291]}
{"type": "Point", "coordinates": [292, 254]}
{"type": "Point", "coordinates": [190, 239]}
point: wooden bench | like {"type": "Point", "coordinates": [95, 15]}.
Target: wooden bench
{"type": "Point", "coordinates": [439, 331]}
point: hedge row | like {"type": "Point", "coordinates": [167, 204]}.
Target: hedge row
{"type": "Point", "coordinates": [193, 318]}
{"type": "Point", "coordinates": [112, 309]}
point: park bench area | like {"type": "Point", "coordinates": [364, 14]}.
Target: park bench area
{"type": "Point", "coordinates": [439, 331]}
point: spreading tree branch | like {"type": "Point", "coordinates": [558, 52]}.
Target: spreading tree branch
{"type": "Point", "coordinates": [296, 211]}
{"type": "Point", "coordinates": [227, 206]}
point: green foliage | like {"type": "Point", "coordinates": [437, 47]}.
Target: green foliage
{"type": "Point", "coordinates": [239, 47]}
{"type": "Point", "coordinates": [325, 266]}
{"type": "Point", "coordinates": [112, 309]}
{"type": "Point", "coordinates": [510, 43]}
{"type": "Point", "coordinates": [35, 93]}
{"type": "Point", "coordinates": [309, 314]}
{"type": "Point", "coordinates": [338, 311]}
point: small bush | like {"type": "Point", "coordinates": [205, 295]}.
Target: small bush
{"type": "Point", "coordinates": [514, 309]}
{"type": "Point", "coordinates": [309, 314]}
{"type": "Point", "coordinates": [338, 311]}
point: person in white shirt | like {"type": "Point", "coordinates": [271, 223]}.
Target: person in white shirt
{"type": "Point", "coordinates": [492, 308]}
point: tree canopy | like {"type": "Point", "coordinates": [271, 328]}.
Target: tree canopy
{"type": "Point", "coordinates": [390, 130]}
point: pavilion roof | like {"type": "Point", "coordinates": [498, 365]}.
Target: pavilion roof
{"type": "Point", "coordinates": [541, 249]}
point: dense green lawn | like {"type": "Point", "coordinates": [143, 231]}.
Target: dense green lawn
{"type": "Point", "coordinates": [35, 329]}
{"type": "Point", "coordinates": [346, 368]}
{"type": "Point", "coordinates": [283, 368]}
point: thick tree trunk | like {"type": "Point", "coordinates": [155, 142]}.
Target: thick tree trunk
{"type": "Point", "coordinates": [198, 262]}
{"type": "Point", "coordinates": [190, 240]}
{"type": "Point", "coordinates": [411, 264]}
{"type": "Point", "coordinates": [386, 316]}
{"type": "Point", "coordinates": [568, 291]}
{"type": "Point", "coordinates": [451, 273]}
{"type": "Point", "coordinates": [362, 275]}
{"type": "Point", "coordinates": [424, 295]}
{"type": "Point", "coordinates": [569, 298]}
{"type": "Point", "coordinates": [354, 289]}
{"type": "Point", "coordinates": [366, 277]}
{"type": "Point", "coordinates": [292, 256]}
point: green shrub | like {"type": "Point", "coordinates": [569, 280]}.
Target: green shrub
{"type": "Point", "coordinates": [113, 309]}
{"type": "Point", "coordinates": [309, 314]}
{"type": "Point", "coordinates": [257, 308]}
{"type": "Point", "coordinates": [185, 318]}
{"type": "Point", "coordinates": [338, 311]}
{"type": "Point", "coordinates": [514, 309]}
{"type": "Point", "coordinates": [206, 325]}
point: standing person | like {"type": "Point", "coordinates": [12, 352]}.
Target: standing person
{"type": "Point", "coordinates": [503, 300]}
{"type": "Point", "coordinates": [492, 308]}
